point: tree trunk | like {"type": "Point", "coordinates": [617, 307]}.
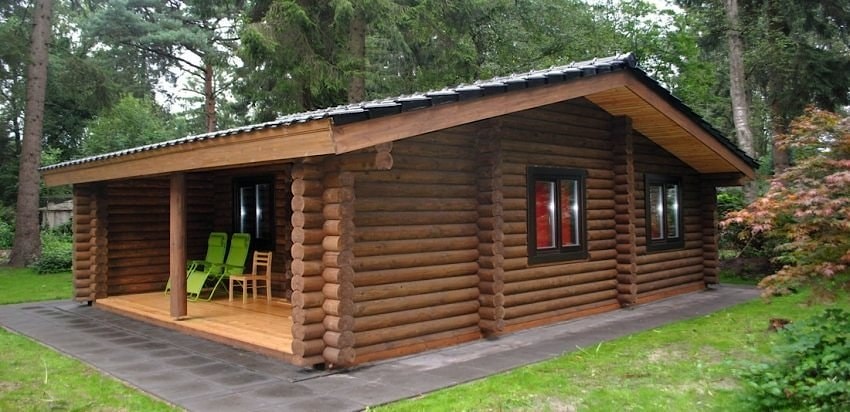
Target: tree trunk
{"type": "Point", "coordinates": [209, 98]}
{"type": "Point", "coordinates": [738, 89]}
{"type": "Point", "coordinates": [357, 47]}
{"type": "Point", "coordinates": [27, 245]}
{"type": "Point", "coordinates": [781, 157]}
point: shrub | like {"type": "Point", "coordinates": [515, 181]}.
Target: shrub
{"type": "Point", "coordinates": [7, 234]}
{"type": "Point", "coordinates": [56, 252]}
{"type": "Point", "coordinates": [811, 369]}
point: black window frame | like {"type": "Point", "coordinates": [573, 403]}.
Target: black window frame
{"type": "Point", "coordinates": [237, 185]}
{"type": "Point", "coordinates": [666, 242]}
{"type": "Point", "coordinates": [559, 253]}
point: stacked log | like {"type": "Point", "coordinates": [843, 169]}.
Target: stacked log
{"type": "Point", "coordinates": [490, 234]}
{"type": "Point", "coordinates": [624, 186]}
{"type": "Point", "coordinates": [574, 134]}
{"type": "Point", "coordinates": [99, 243]}
{"type": "Point", "coordinates": [138, 218]}
{"type": "Point", "coordinates": [84, 288]}
{"type": "Point", "coordinates": [282, 263]}
{"type": "Point", "coordinates": [307, 266]}
{"type": "Point", "coordinates": [708, 201]}
{"type": "Point", "coordinates": [338, 272]}
{"type": "Point", "coordinates": [415, 273]}
{"type": "Point", "coordinates": [666, 273]}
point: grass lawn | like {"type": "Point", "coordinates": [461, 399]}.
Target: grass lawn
{"type": "Point", "coordinates": [35, 378]}
{"type": "Point", "coordinates": [686, 366]}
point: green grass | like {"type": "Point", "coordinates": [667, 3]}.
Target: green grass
{"type": "Point", "coordinates": [686, 366]}
{"type": "Point", "coordinates": [35, 378]}
{"type": "Point", "coordinates": [24, 285]}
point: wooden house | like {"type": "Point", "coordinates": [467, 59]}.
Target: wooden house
{"type": "Point", "coordinates": [419, 221]}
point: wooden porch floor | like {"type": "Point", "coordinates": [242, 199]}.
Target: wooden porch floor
{"type": "Point", "coordinates": [260, 326]}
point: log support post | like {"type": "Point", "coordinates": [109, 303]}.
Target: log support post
{"type": "Point", "coordinates": [708, 209]}
{"type": "Point", "coordinates": [624, 207]}
{"type": "Point", "coordinates": [338, 273]}
{"type": "Point", "coordinates": [491, 234]}
{"type": "Point", "coordinates": [307, 267]}
{"type": "Point", "coordinates": [177, 245]}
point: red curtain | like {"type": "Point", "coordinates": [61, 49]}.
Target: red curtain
{"type": "Point", "coordinates": [543, 210]}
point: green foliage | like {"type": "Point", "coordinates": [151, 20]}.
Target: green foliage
{"type": "Point", "coordinates": [7, 234]}
{"type": "Point", "coordinates": [804, 213]}
{"type": "Point", "coordinates": [56, 251]}
{"type": "Point", "coordinates": [810, 369]}
{"type": "Point", "coordinates": [19, 285]}
{"type": "Point", "coordinates": [131, 122]}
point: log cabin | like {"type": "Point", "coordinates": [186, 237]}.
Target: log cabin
{"type": "Point", "coordinates": [419, 221]}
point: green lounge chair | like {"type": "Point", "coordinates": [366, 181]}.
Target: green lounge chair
{"type": "Point", "coordinates": [216, 250]}
{"type": "Point", "coordinates": [216, 274]}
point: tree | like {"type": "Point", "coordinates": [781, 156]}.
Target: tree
{"type": "Point", "coordinates": [737, 79]}
{"type": "Point", "coordinates": [27, 244]}
{"type": "Point", "coordinates": [194, 36]}
{"type": "Point", "coordinates": [807, 208]}
{"type": "Point", "coordinates": [131, 122]}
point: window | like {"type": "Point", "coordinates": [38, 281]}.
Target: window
{"type": "Point", "coordinates": [663, 207]}
{"type": "Point", "coordinates": [253, 204]}
{"type": "Point", "coordinates": [556, 221]}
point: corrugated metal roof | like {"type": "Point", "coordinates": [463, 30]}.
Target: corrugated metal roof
{"type": "Point", "coordinates": [355, 112]}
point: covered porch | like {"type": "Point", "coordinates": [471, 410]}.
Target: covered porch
{"type": "Point", "coordinates": [258, 325]}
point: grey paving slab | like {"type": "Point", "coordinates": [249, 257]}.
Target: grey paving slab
{"type": "Point", "coordinates": [200, 375]}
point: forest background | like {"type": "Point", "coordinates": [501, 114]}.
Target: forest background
{"type": "Point", "coordinates": [123, 73]}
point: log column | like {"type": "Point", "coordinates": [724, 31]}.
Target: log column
{"type": "Point", "coordinates": [708, 200]}
{"type": "Point", "coordinates": [307, 252]}
{"type": "Point", "coordinates": [177, 245]}
{"type": "Point", "coordinates": [624, 187]}
{"type": "Point", "coordinates": [99, 243]}
{"type": "Point", "coordinates": [338, 272]}
{"type": "Point", "coordinates": [490, 233]}
{"type": "Point", "coordinates": [84, 290]}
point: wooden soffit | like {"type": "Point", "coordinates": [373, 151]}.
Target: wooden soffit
{"type": "Point", "coordinates": [254, 147]}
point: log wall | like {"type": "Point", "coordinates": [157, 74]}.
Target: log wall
{"type": "Point", "coordinates": [574, 134]}
{"type": "Point", "coordinates": [416, 255]}
{"type": "Point", "coordinates": [307, 268]}
{"type": "Point", "coordinates": [625, 208]}
{"type": "Point", "coordinates": [708, 202]}
{"type": "Point", "coordinates": [90, 250]}
{"type": "Point", "coordinates": [668, 272]}
{"type": "Point", "coordinates": [491, 248]}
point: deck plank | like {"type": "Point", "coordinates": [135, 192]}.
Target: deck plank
{"type": "Point", "coordinates": [257, 325]}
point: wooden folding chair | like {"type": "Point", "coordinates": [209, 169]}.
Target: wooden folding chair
{"type": "Point", "coordinates": [262, 263]}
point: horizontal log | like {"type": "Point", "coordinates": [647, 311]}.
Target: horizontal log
{"type": "Point", "coordinates": [411, 288]}
{"type": "Point", "coordinates": [417, 177]}
{"type": "Point", "coordinates": [554, 293]}
{"type": "Point", "coordinates": [307, 347]}
{"type": "Point", "coordinates": [394, 247]}
{"type": "Point", "coordinates": [558, 281]}
{"type": "Point", "coordinates": [382, 262]}
{"type": "Point", "coordinates": [306, 204]}
{"type": "Point", "coordinates": [307, 331]}
{"type": "Point", "coordinates": [307, 299]}
{"type": "Point", "coordinates": [455, 164]}
{"type": "Point", "coordinates": [307, 283]}
{"type": "Point", "coordinates": [338, 275]}
{"type": "Point", "coordinates": [374, 307]}
{"type": "Point", "coordinates": [338, 291]}
{"type": "Point", "coordinates": [338, 195]}
{"type": "Point", "coordinates": [402, 204]}
{"type": "Point", "coordinates": [306, 171]}
{"type": "Point", "coordinates": [332, 259]}
{"type": "Point", "coordinates": [363, 219]}
{"type": "Point", "coordinates": [334, 339]}
{"type": "Point", "coordinates": [491, 313]}
{"type": "Point", "coordinates": [307, 220]}
{"type": "Point", "coordinates": [412, 316]}
{"type": "Point", "coordinates": [398, 275]}
{"type": "Point", "coordinates": [307, 236]}
{"type": "Point", "coordinates": [338, 324]}
{"type": "Point", "coordinates": [648, 268]}
{"type": "Point", "coordinates": [339, 357]}
{"type": "Point", "coordinates": [336, 227]}
{"type": "Point", "coordinates": [306, 267]}
{"type": "Point", "coordinates": [663, 283]}
{"type": "Point", "coordinates": [308, 315]}
{"type": "Point", "coordinates": [383, 233]}
{"type": "Point", "coordinates": [669, 273]}
{"type": "Point", "coordinates": [375, 336]}
{"type": "Point", "coordinates": [338, 211]}
{"type": "Point", "coordinates": [557, 304]}
{"type": "Point", "coordinates": [310, 188]}
{"type": "Point", "coordinates": [415, 344]}
{"type": "Point", "coordinates": [414, 190]}
{"type": "Point", "coordinates": [308, 252]}
{"type": "Point", "coordinates": [541, 272]}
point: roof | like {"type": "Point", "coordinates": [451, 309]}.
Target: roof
{"type": "Point", "coordinates": [504, 85]}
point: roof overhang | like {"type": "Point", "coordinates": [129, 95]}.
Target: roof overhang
{"type": "Point", "coordinates": [654, 112]}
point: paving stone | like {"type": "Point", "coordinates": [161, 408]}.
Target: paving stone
{"type": "Point", "coordinates": [240, 378]}
{"type": "Point", "coordinates": [191, 360]}
{"type": "Point", "coordinates": [312, 405]}
{"type": "Point", "coordinates": [280, 391]}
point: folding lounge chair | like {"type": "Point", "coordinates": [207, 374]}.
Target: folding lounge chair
{"type": "Point", "coordinates": [216, 274]}
{"type": "Point", "coordinates": [216, 250]}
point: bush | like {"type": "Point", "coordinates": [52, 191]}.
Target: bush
{"type": "Point", "coordinates": [56, 252]}
{"type": "Point", "coordinates": [7, 234]}
{"type": "Point", "coordinates": [811, 369]}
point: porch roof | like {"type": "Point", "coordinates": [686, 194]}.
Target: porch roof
{"type": "Point", "coordinates": [614, 83]}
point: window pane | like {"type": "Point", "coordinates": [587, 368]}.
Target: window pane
{"type": "Point", "coordinates": [569, 213]}
{"type": "Point", "coordinates": [672, 217]}
{"type": "Point", "coordinates": [264, 210]}
{"type": "Point", "coordinates": [247, 210]}
{"type": "Point", "coordinates": [656, 211]}
{"type": "Point", "coordinates": [544, 214]}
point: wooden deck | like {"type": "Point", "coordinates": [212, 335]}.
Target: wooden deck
{"type": "Point", "coordinates": [260, 326]}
